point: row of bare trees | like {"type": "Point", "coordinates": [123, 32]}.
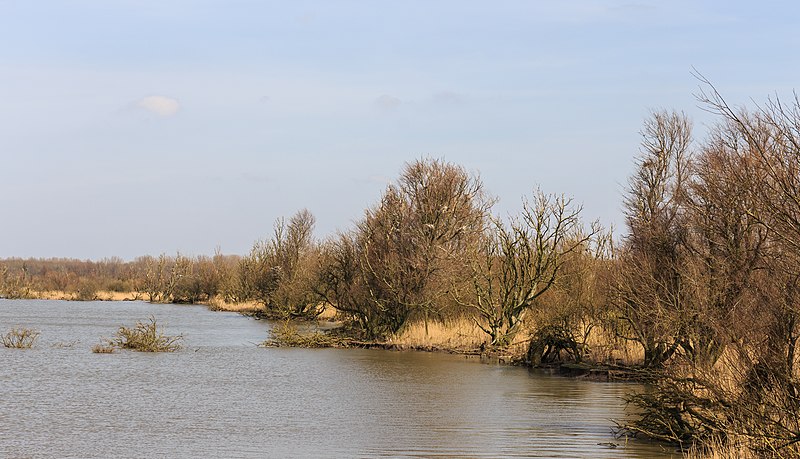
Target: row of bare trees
{"type": "Point", "coordinates": [428, 250]}
{"type": "Point", "coordinates": [431, 249]}
{"type": "Point", "coordinates": [178, 279]}
{"type": "Point", "coordinates": [707, 278]}
{"type": "Point", "coordinates": [705, 283]}
{"type": "Point", "coordinates": [24, 278]}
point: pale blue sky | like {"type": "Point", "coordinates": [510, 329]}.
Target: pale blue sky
{"type": "Point", "coordinates": [141, 127]}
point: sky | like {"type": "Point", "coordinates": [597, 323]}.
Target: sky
{"type": "Point", "coordinates": [144, 127]}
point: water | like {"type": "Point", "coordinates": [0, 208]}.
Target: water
{"type": "Point", "coordinates": [221, 396]}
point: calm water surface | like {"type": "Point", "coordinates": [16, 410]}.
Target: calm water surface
{"type": "Point", "coordinates": [221, 396]}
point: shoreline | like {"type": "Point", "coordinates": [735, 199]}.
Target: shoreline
{"type": "Point", "coordinates": [409, 341]}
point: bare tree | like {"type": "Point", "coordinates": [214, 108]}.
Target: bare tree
{"type": "Point", "coordinates": [161, 276]}
{"type": "Point", "coordinates": [411, 242]}
{"type": "Point", "coordinates": [398, 262]}
{"type": "Point", "coordinates": [519, 262]}
{"type": "Point", "coordinates": [725, 244]}
{"type": "Point", "coordinates": [650, 284]}
{"type": "Point", "coordinates": [15, 283]}
{"type": "Point", "coordinates": [577, 303]}
{"type": "Point", "coordinates": [342, 284]}
{"type": "Point", "coordinates": [278, 272]}
{"type": "Point", "coordinates": [733, 317]}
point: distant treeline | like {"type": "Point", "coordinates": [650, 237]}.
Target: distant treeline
{"type": "Point", "coordinates": [158, 279]}
{"type": "Point", "coordinates": [706, 281]}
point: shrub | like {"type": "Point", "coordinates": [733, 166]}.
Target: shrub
{"type": "Point", "coordinates": [101, 348]}
{"type": "Point", "coordinates": [286, 334]}
{"type": "Point", "coordinates": [87, 290]}
{"type": "Point", "coordinates": [146, 337]}
{"type": "Point", "coordinates": [20, 338]}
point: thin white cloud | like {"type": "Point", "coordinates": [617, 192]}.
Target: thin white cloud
{"type": "Point", "coordinates": [160, 105]}
{"type": "Point", "coordinates": [307, 18]}
{"type": "Point", "coordinates": [387, 102]}
{"type": "Point", "coordinates": [447, 98]}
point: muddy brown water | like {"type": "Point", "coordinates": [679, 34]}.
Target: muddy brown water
{"type": "Point", "coordinates": [221, 396]}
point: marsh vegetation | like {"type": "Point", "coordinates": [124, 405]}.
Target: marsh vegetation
{"type": "Point", "coordinates": [287, 334]}
{"type": "Point", "coordinates": [19, 338]}
{"type": "Point", "coordinates": [144, 336]}
{"type": "Point", "coordinates": [701, 294]}
{"type": "Point", "coordinates": [103, 348]}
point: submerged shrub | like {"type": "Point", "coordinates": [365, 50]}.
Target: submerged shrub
{"type": "Point", "coordinates": [20, 338]}
{"type": "Point", "coordinates": [286, 334]}
{"type": "Point", "coordinates": [101, 348]}
{"type": "Point", "coordinates": [146, 337]}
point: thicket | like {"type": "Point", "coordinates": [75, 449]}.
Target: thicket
{"type": "Point", "coordinates": [279, 272]}
{"type": "Point", "coordinates": [707, 278]}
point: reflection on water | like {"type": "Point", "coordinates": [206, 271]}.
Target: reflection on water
{"type": "Point", "coordinates": [221, 396]}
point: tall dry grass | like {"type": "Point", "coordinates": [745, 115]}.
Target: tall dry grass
{"type": "Point", "coordinates": [219, 304]}
{"type": "Point", "coordinates": [604, 348]}
{"type": "Point", "coordinates": [460, 333]}
{"type": "Point", "coordinates": [464, 334]}
{"type": "Point", "coordinates": [720, 450]}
